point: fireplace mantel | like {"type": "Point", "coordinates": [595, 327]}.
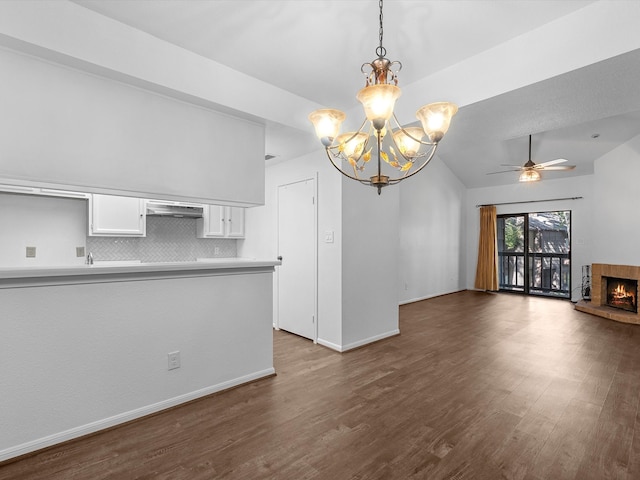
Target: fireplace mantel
{"type": "Point", "coordinates": [598, 296]}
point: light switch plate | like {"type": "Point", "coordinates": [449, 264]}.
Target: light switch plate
{"type": "Point", "coordinates": [79, 251]}
{"type": "Point", "coordinates": [328, 236]}
{"type": "Point", "coordinates": [174, 360]}
{"type": "Point", "coordinates": [31, 252]}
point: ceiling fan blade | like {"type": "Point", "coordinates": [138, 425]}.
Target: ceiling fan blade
{"type": "Point", "coordinates": [503, 171]}
{"type": "Point", "coordinates": [563, 167]}
{"type": "Point", "coordinates": [531, 165]}
{"type": "Point", "coordinates": [550, 162]}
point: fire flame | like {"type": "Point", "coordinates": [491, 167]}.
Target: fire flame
{"type": "Point", "coordinates": [620, 291]}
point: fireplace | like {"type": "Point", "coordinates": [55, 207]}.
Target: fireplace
{"type": "Point", "coordinates": [614, 292]}
{"type": "Point", "coordinates": [621, 293]}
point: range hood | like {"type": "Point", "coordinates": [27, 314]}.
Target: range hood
{"type": "Point", "coordinates": [179, 211]}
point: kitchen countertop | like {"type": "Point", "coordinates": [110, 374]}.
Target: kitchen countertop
{"type": "Point", "coordinates": [127, 271]}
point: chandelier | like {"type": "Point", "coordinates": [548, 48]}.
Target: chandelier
{"type": "Point", "coordinates": [402, 154]}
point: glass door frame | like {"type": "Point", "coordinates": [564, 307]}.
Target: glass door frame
{"type": "Point", "coordinates": [529, 257]}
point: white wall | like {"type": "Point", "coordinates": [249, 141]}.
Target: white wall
{"type": "Point", "coordinates": [55, 226]}
{"type": "Point", "coordinates": [616, 233]}
{"type": "Point", "coordinates": [432, 234]}
{"type": "Point", "coordinates": [79, 358]}
{"type": "Point", "coordinates": [582, 220]}
{"type": "Point", "coordinates": [261, 239]}
{"type": "Point", "coordinates": [370, 228]}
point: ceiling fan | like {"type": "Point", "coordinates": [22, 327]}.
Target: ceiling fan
{"type": "Point", "coordinates": [530, 171]}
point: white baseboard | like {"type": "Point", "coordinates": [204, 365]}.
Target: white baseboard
{"type": "Point", "coordinates": [365, 341]}
{"type": "Point", "coordinates": [332, 346]}
{"type": "Point", "coordinates": [359, 343]}
{"type": "Point", "coordinates": [124, 417]}
{"type": "Point", "coordinates": [412, 300]}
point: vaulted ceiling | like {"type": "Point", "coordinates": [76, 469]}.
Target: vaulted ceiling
{"type": "Point", "coordinates": [314, 50]}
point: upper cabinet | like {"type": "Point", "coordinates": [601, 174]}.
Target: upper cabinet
{"type": "Point", "coordinates": [111, 215]}
{"type": "Point", "coordinates": [235, 222]}
{"type": "Point", "coordinates": [183, 151]}
{"type": "Point", "coordinates": [221, 221]}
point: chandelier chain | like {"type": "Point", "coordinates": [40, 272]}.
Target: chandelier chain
{"type": "Point", "coordinates": [381, 51]}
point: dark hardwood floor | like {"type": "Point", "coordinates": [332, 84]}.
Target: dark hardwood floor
{"type": "Point", "coordinates": [477, 386]}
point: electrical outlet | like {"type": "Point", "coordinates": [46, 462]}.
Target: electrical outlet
{"type": "Point", "coordinates": [79, 251]}
{"type": "Point", "coordinates": [31, 252]}
{"type": "Point", "coordinates": [216, 250]}
{"type": "Point", "coordinates": [174, 360]}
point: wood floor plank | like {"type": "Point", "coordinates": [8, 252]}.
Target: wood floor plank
{"type": "Point", "coordinates": [633, 470]}
{"type": "Point", "coordinates": [565, 447]}
{"type": "Point", "coordinates": [477, 386]}
{"type": "Point", "coordinates": [608, 453]}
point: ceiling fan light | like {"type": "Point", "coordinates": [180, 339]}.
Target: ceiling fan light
{"type": "Point", "coordinates": [327, 123]}
{"type": "Point", "coordinates": [436, 118]}
{"type": "Point", "coordinates": [529, 175]}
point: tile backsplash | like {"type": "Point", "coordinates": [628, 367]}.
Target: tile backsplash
{"type": "Point", "coordinates": [168, 240]}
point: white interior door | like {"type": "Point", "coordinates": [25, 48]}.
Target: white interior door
{"type": "Point", "coordinates": [297, 247]}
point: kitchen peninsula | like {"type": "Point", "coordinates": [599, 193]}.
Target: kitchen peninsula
{"type": "Point", "coordinates": [87, 347]}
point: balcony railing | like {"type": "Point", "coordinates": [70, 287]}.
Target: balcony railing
{"type": "Point", "coordinates": [549, 273]}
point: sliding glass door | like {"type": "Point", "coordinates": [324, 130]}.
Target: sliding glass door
{"type": "Point", "coordinates": [534, 253]}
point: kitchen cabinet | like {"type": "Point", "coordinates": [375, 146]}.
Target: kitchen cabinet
{"type": "Point", "coordinates": [221, 221]}
{"type": "Point", "coordinates": [115, 216]}
{"type": "Point", "coordinates": [235, 222]}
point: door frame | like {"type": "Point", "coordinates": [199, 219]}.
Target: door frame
{"type": "Point", "coordinates": [276, 323]}
{"type": "Point", "coordinates": [528, 256]}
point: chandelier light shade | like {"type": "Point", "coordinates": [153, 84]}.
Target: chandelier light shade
{"type": "Point", "coordinates": [409, 140]}
{"type": "Point", "coordinates": [400, 155]}
{"type": "Point", "coordinates": [352, 144]}
{"type": "Point", "coordinates": [436, 118]}
{"type": "Point", "coordinates": [378, 102]}
{"type": "Point", "coordinates": [327, 124]}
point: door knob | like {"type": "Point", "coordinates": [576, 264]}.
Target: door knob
{"type": "Point", "coordinates": [280, 257]}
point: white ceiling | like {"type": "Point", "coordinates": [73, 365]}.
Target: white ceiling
{"type": "Point", "coordinates": [314, 49]}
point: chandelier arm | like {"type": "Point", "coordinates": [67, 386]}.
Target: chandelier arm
{"type": "Point", "coordinates": [366, 182]}
{"type": "Point", "coordinates": [393, 181]}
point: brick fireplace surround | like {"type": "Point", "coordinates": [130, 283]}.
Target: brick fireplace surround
{"type": "Point", "coordinates": [598, 296]}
